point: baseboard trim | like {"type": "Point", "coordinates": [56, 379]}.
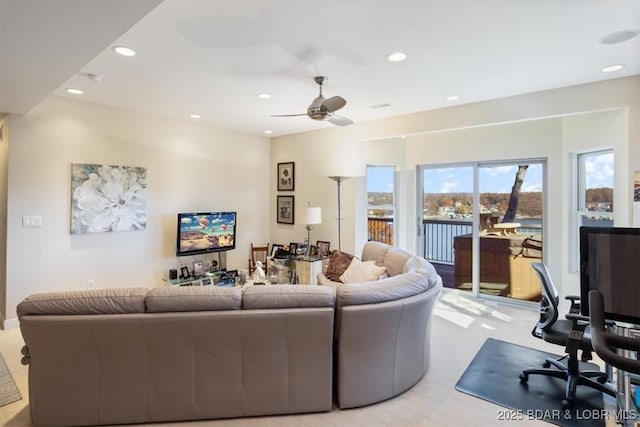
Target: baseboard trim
{"type": "Point", "coordinates": [10, 324]}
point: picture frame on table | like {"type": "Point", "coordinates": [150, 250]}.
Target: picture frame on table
{"type": "Point", "coordinates": [314, 251]}
{"type": "Point", "coordinates": [274, 249]}
{"type": "Point", "coordinates": [323, 248]}
{"type": "Point", "coordinates": [285, 209]}
{"type": "Point", "coordinates": [293, 248]}
{"type": "Point", "coordinates": [184, 273]}
{"type": "Point", "coordinates": [198, 268]}
{"type": "Point", "coordinates": [286, 176]}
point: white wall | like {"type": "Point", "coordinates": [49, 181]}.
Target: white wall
{"type": "Point", "coordinates": [508, 128]}
{"type": "Point", "coordinates": [4, 156]}
{"type": "Point", "coordinates": [190, 167]}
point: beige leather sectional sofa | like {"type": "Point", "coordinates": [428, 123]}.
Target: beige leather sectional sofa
{"type": "Point", "coordinates": [142, 355]}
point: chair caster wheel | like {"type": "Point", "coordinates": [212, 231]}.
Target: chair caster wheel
{"type": "Point", "coordinates": [546, 365]}
{"type": "Point", "coordinates": [602, 380]}
{"type": "Point", "coordinates": [567, 404]}
{"type": "Point", "coordinates": [524, 378]}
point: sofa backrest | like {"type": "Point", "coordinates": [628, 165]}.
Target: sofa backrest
{"type": "Point", "coordinates": [193, 298]}
{"type": "Point", "coordinates": [393, 259]}
{"type": "Point", "coordinates": [409, 275]}
{"type": "Point", "coordinates": [287, 296]}
{"type": "Point", "coordinates": [94, 301]}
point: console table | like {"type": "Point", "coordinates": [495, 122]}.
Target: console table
{"type": "Point", "coordinates": [307, 269]}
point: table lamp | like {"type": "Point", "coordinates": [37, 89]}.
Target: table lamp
{"type": "Point", "coordinates": [310, 216]}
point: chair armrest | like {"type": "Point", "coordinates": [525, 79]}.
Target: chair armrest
{"type": "Point", "coordinates": [603, 341]}
{"type": "Point", "coordinates": [576, 317]}
{"type": "Point", "coordinates": [575, 303]}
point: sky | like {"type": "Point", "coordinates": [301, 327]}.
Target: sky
{"type": "Point", "coordinates": [497, 179]}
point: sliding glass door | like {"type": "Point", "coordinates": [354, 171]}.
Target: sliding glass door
{"type": "Point", "coordinates": [505, 202]}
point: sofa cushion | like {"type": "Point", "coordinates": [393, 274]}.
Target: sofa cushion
{"type": "Point", "coordinates": [359, 271]}
{"type": "Point", "coordinates": [193, 298]}
{"type": "Point", "coordinates": [391, 289]}
{"type": "Point", "coordinates": [415, 263]}
{"type": "Point", "coordinates": [287, 296]}
{"type": "Point", "coordinates": [375, 251]}
{"type": "Point", "coordinates": [395, 259]}
{"type": "Point", "coordinates": [337, 265]}
{"type": "Point", "coordinates": [94, 301]}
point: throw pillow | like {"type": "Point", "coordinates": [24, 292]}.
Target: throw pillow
{"type": "Point", "coordinates": [338, 263]}
{"type": "Point", "coordinates": [359, 271]}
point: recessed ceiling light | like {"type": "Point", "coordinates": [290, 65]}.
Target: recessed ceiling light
{"type": "Point", "coordinates": [195, 116]}
{"type": "Point", "coordinates": [452, 98]}
{"type": "Point", "coordinates": [74, 91]}
{"type": "Point", "coordinates": [396, 57]}
{"type": "Point", "coordinates": [124, 51]}
{"type": "Point", "coordinates": [620, 36]}
{"type": "Point", "coordinates": [612, 68]}
{"type": "Point", "coordinates": [268, 132]}
{"type": "Point", "coordinates": [264, 95]}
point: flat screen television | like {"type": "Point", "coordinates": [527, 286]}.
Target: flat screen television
{"type": "Point", "coordinates": [204, 232]}
{"type": "Point", "coordinates": [610, 263]}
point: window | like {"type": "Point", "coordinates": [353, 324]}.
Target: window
{"type": "Point", "coordinates": [594, 196]}
{"type": "Point", "coordinates": [381, 203]}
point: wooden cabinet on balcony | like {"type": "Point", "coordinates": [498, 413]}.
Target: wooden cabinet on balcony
{"type": "Point", "coordinates": [504, 260]}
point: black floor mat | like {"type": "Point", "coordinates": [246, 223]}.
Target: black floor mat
{"type": "Point", "coordinates": [493, 375]}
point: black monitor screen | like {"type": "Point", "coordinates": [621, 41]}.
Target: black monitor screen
{"type": "Point", "coordinates": [610, 263]}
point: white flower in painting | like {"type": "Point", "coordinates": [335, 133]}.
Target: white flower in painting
{"type": "Point", "coordinates": [108, 198]}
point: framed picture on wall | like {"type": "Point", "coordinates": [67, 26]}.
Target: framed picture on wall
{"type": "Point", "coordinates": [284, 207]}
{"type": "Point", "coordinates": [286, 176]}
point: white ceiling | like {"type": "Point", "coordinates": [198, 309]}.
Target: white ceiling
{"type": "Point", "coordinates": [213, 57]}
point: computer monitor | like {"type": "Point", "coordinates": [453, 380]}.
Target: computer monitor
{"type": "Point", "coordinates": [610, 263]}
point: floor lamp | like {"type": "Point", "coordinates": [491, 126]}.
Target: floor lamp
{"type": "Point", "coordinates": [339, 180]}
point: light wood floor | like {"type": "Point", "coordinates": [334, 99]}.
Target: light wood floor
{"type": "Point", "coordinates": [461, 324]}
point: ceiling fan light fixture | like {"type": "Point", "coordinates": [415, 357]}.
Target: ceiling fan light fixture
{"type": "Point", "coordinates": [396, 57]}
{"type": "Point", "coordinates": [612, 68]}
{"type": "Point", "coordinates": [124, 51]}
{"type": "Point", "coordinates": [322, 108]}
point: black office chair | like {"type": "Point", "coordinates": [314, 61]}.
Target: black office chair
{"type": "Point", "coordinates": [571, 334]}
{"type": "Point", "coordinates": [605, 342]}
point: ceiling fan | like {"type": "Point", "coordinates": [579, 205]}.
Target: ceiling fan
{"type": "Point", "coordinates": [323, 108]}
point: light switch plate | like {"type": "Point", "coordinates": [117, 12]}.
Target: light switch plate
{"type": "Point", "coordinates": [31, 221]}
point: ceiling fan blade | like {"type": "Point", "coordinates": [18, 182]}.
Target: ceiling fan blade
{"type": "Point", "coordinates": [288, 115]}
{"type": "Point", "coordinates": [340, 121]}
{"type": "Point", "coordinates": [334, 103]}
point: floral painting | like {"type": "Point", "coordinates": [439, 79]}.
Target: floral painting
{"type": "Point", "coordinates": [108, 198]}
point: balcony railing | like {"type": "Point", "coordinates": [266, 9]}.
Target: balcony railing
{"type": "Point", "coordinates": [437, 237]}
{"type": "Point", "coordinates": [437, 240]}
{"type": "Point", "coordinates": [380, 230]}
